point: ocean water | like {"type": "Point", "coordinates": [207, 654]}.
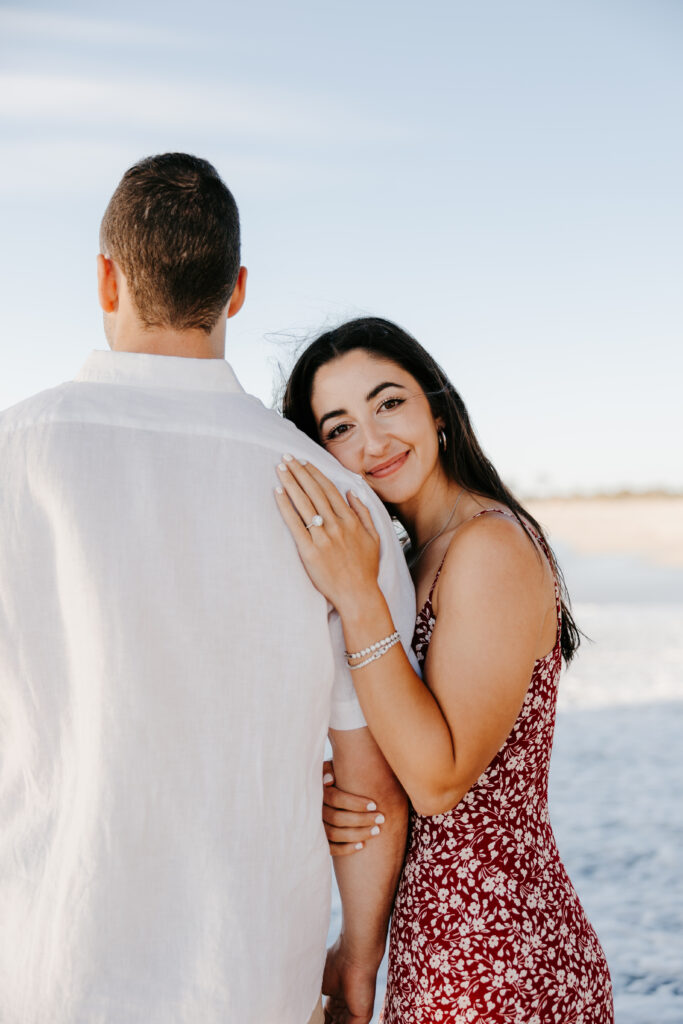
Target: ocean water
{"type": "Point", "coordinates": [615, 799]}
{"type": "Point", "coordinates": [616, 781]}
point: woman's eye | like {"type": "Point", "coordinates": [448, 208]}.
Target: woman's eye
{"type": "Point", "coordinates": [338, 431]}
{"type": "Point", "coordinates": [391, 403]}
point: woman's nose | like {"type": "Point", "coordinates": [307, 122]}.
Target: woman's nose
{"type": "Point", "coordinates": [375, 440]}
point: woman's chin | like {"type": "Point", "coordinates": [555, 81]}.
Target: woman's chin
{"type": "Point", "coordinates": [392, 493]}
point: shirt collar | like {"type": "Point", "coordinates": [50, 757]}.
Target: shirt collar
{"type": "Point", "coordinates": [139, 369]}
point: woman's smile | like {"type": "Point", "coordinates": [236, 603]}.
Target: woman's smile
{"type": "Point", "coordinates": [389, 466]}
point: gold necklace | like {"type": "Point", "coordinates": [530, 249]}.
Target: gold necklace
{"type": "Point", "coordinates": [413, 561]}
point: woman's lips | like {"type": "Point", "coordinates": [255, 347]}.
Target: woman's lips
{"type": "Point", "coordinates": [389, 467]}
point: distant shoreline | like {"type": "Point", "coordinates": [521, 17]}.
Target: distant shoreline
{"type": "Point", "coordinates": [603, 496]}
{"type": "Point", "coordinates": [647, 525]}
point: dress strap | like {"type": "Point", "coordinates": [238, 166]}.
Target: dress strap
{"type": "Point", "coordinates": [535, 534]}
{"type": "Point", "coordinates": [436, 580]}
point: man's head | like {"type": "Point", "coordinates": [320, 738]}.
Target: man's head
{"type": "Point", "coordinates": [172, 229]}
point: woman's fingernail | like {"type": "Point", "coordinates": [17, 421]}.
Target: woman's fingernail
{"type": "Point", "coordinates": [327, 778]}
{"type": "Point", "coordinates": [303, 462]}
{"type": "Point", "coordinates": [359, 846]}
{"type": "Point", "coordinates": [287, 457]}
{"type": "Point", "coordinates": [374, 831]}
{"type": "Point", "coordinates": [372, 806]}
{"type": "Point", "coordinates": [279, 490]}
{"type": "Point", "coordinates": [379, 820]}
{"type": "Point", "coordinates": [282, 467]}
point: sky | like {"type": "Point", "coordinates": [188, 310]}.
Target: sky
{"type": "Point", "coordinates": [503, 180]}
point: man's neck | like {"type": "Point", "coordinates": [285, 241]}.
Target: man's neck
{"type": "Point", "coordinates": [127, 334]}
{"type": "Point", "coordinates": [187, 344]}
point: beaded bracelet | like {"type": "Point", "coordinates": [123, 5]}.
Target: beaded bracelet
{"type": "Point", "coordinates": [390, 642]}
{"type": "Point", "coordinates": [372, 647]}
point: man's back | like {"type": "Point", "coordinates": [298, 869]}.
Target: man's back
{"type": "Point", "coordinates": [168, 678]}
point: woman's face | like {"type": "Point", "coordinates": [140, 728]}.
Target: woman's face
{"type": "Point", "coordinates": [374, 418]}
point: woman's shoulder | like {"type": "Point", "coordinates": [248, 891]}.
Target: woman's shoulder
{"type": "Point", "coordinates": [496, 523]}
{"type": "Point", "coordinates": [490, 549]}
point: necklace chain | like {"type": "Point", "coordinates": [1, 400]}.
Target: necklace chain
{"type": "Point", "coordinates": [420, 553]}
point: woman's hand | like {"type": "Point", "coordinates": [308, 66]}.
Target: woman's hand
{"type": "Point", "coordinates": [349, 820]}
{"type": "Point", "coordinates": [337, 540]}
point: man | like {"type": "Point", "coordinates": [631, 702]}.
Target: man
{"type": "Point", "coordinates": [168, 672]}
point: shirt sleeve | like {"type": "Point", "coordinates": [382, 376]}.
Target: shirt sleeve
{"type": "Point", "coordinates": [397, 586]}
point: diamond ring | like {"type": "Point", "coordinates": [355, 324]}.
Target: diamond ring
{"type": "Point", "coordinates": [315, 521]}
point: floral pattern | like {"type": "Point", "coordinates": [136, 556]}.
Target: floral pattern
{"type": "Point", "coordinates": [487, 927]}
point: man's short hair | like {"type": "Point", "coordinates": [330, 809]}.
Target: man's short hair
{"type": "Point", "coordinates": [173, 228]}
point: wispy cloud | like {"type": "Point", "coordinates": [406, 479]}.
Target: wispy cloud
{"type": "Point", "coordinates": [28, 99]}
{"type": "Point", "coordinates": [45, 169]}
{"type": "Point", "coordinates": [67, 130]}
{"type": "Point", "coordinates": [68, 28]}
{"type": "Point", "coordinates": [143, 103]}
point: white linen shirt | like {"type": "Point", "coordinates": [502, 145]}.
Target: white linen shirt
{"type": "Point", "coordinates": [168, 674]}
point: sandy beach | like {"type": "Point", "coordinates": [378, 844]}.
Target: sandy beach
{"type": "Point", "coordinates": [650, 526]}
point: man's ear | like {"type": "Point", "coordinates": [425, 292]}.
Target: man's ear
{"type": "Point", "coordinates": [239, 293]}
{"type": "Point", "coordinates": [107, 284]}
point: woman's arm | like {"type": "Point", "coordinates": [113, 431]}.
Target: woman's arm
{"type": "Point", "coordinates": [438, 735]}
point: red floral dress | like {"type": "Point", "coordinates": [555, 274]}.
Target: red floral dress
{"type": "Point", "coordinates": [487, 927]}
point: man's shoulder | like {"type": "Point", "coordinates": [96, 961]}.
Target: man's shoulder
{"type": "Point", "coordinates": [269, 428]}
{"type": "Point", "coordinates": [32, 410]}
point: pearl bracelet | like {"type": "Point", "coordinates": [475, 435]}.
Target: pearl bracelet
{"type": "Point", "coordinates": [372, 647]}
{"type": "Point", "coordinates": [388, 643]}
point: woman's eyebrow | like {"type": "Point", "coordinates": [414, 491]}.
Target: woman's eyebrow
{"type": "Point", "coordinates": [380, 387]}
{"type": "Point", "coordinates": [331, 415]}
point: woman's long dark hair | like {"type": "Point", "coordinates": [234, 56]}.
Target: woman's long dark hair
{"type": "Point", "coordinates": [463, 459]}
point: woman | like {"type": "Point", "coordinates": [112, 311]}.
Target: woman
{"type": "Point", "coordinates": [487, 926]}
